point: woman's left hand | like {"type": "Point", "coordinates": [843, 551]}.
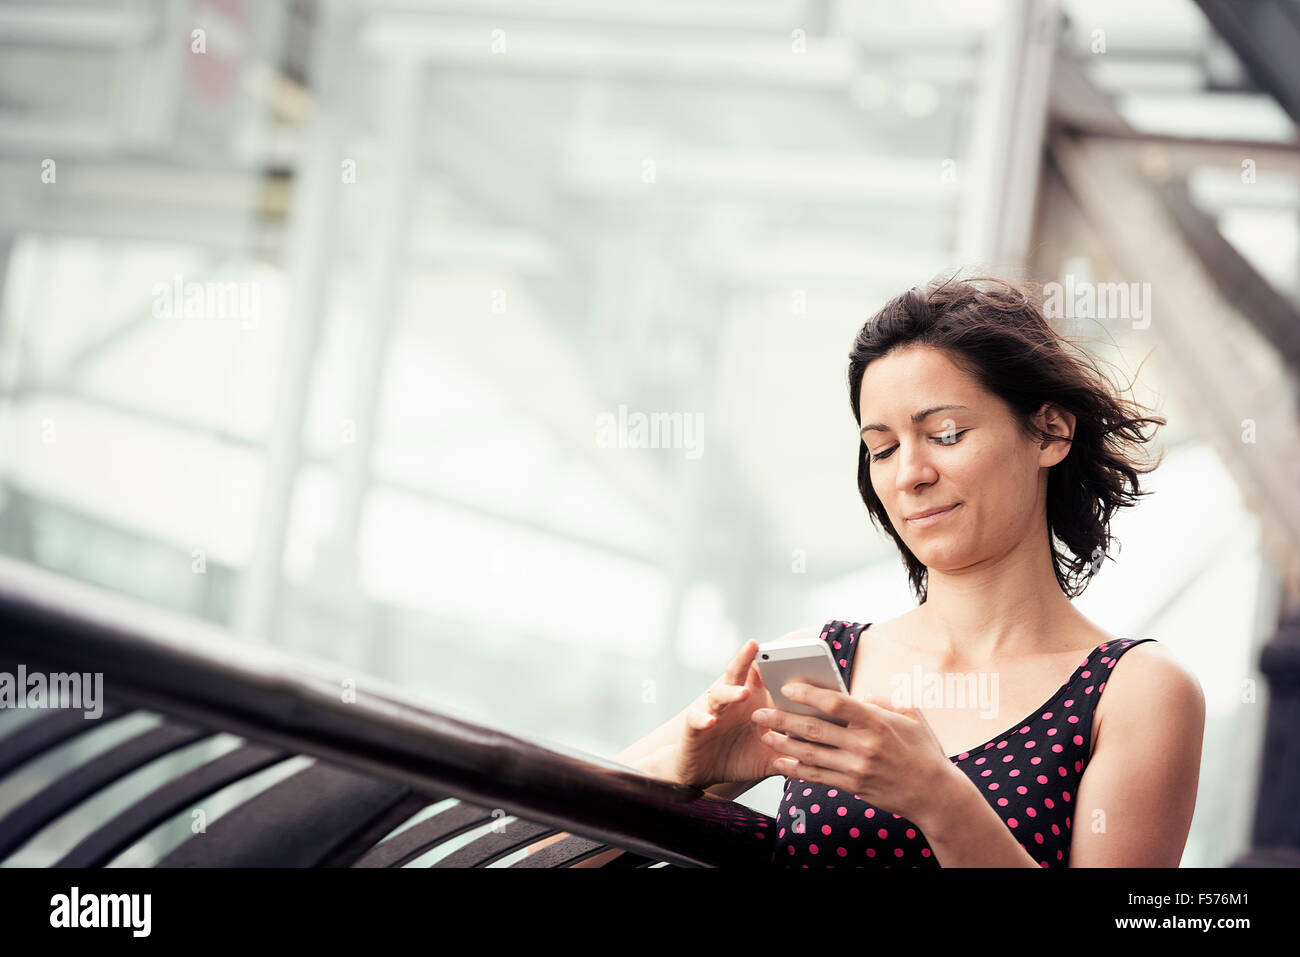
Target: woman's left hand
{"type": "Point", "coordinates": [888, 755]}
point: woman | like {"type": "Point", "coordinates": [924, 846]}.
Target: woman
{"type": "Point", "coordinates": [994, 458]}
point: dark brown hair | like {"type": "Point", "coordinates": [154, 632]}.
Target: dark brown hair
{"type": "Point", "coordinates": [994, 331]}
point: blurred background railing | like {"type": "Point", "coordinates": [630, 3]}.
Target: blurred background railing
{"type": "Point", "coordinates": [330, 325]}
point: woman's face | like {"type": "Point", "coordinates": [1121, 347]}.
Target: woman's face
{"type": "Point", "coordinates": [970, 455]}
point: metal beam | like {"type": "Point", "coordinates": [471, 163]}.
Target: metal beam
{"type": "Point", "coordinates": [333, 612]}
{"type": "Point", "coordinates": [530, 46]}
{"type": "Point", "coordinates": [42, 25]}
{"type": "Point", "coordinates": [1272, 315]}
{"type": "Point", "coordinates": [1010, 116]}
{"type": "Point", "coordinates": [421, 493]}
{"type": "Point", "coordinates": [1205, 343]}
{"type": "Point", "coordinates": [1265, 34]}
{"type": "Point", "coordinates": [313, 229]}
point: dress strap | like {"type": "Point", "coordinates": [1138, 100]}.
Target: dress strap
{"type": "Point", "coordinates": [842, 637]}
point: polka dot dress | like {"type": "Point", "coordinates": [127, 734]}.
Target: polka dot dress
{"type": "Point", "coordinates": [1029, 774]}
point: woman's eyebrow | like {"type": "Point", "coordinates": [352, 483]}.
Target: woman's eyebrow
{"type": "Point", "coordinates": [917, 417]}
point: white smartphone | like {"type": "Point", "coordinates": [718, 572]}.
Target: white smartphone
{"type": "Point", "coordinates": [807, 660]}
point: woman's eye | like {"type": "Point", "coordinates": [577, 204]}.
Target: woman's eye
{"type": "Point", "coordinates": [941, 439]}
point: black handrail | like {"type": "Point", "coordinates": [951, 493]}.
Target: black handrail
{"type": "Point", "coordinates": [162, 662]}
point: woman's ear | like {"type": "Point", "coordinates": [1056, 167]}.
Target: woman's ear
{"type": "Point", "coordinates": [1059, 422]}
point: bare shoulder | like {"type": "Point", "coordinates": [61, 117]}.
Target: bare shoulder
{"type": "Point", "coordinates": [1149, 682]}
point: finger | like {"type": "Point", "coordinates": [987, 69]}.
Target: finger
{"type": "Point", "coordinates": [791, 768]}
{"type": "Point", "coordinates": [719, 696]}
{"type": "Point", "coordinates": [880, 707]}
{"type": "Point", "coordinates": [809, 727]}
{"type": "Point", "coordinates": [697, 720]}
{"type": "Point", "coordinates": [809, 754]}
{"type": "Point", "coordinates": [836, 704]}
{"type": "Point", "coordinates": [738, 667]}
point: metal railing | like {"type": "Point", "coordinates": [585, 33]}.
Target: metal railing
{"type": "Point", "coordinates": [379, 744]}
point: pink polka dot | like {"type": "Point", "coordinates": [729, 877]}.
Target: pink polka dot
{"type": "Point", "coordinates": [1078, 739]}
{"type": "Point", "coordinates": [841, 810]}
{"type": "Point", "coordinates": [790, 848]}
{"type": "Point", "coordinates": [1002, 744]}
{"type": "Point", "coordinates": [1042, 779]}
{"type": "Point", "coordinates": [871, 852]}
{"type": "Point", "coordinates": [815, 808]}
{"type": "Point", "coordinates": [925, 852]}
{"type": "Point", "coordinates": [842, 852]}
{"type": "Point", "coordinates": [1030, 744]}
{"type": "Point", "coordinates": [807, 791]}
{"type": "Point", "coordinates": [1013, 772]}
{"type": "Point", "coordinates": [979, 760]}
{"type": "Point", "coordinates": [1038, 837]}
{"type": "Point", "coordinates": [882, 833]}
{"type": "Point", "coordinates": [1022, 790]}
{"type": "Point", "coordinates": [1012, 822]}
{"type": "Point", "coordinates": [1048, 802]}
{"type": "Point", "coordinates": [854, 832]}
{"type": "Point", "coordinates": [1051, 731]}
{"type": "Point", "coordinates": [1068, 702]}
{"type": "Point", "coordinates": [910, 832]}
{"type": "Point", "coordinates": [870, 812]}
{"type": "Point", "coordinates": [993, 786]}
{"type": "Point", "coordinates": [812, 848]}
{"type": "Point", "coordinates": [1031, 812]}
{"type": "Point", "coordinates": [1002, 802]}
{"type": "Point", "coordinates": [898, 852]}
{"type": "Point", "coordinates": [832, 792]}
{"type": "Point", "coordinates": [1057, 748]}
{"type": "Point", "coordinates": [1047, 716]}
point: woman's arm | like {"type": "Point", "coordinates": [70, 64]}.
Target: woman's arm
{"type": "Point", "coordinates": [1135, 803]}
{"type": "Point", "coordinates": [963, 830]}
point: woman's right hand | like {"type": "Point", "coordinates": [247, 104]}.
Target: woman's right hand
{"type": "Point", "coordinates": [720, 741]}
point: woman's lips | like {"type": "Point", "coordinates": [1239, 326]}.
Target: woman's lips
{"type": "Point", "coordinates": [931, 519]}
